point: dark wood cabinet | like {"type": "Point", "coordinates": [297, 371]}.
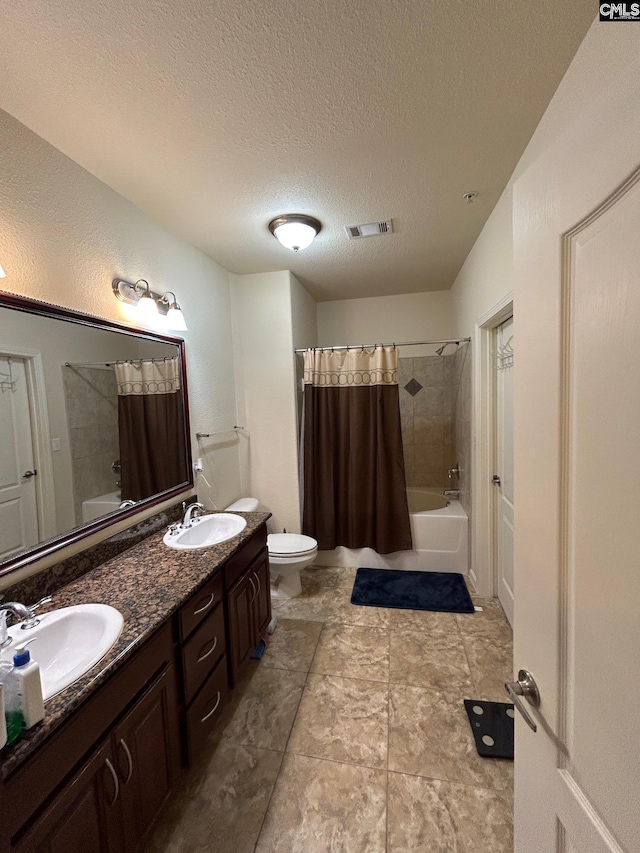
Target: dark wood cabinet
{"type": "Point", "coordinates": [86, 816]}
{"type": "Point", "coordinates": [249, 611]}
{"type": "Point", "coordinates": [262, 601]}
{"type": "Point", "coordinates": [115, 797]}
{"type": "Point", "coordinates": [147, 757]}
{"type": "Point", "coordinates": [102, 778]}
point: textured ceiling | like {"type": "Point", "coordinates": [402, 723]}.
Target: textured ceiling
{"type": "Point", "coordinates": [214, 117]}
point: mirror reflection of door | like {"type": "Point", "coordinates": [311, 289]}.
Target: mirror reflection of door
{"type": "Point", "coordinates": [18, 505]}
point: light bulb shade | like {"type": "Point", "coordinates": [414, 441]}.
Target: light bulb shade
{"type": "Point", "coordinates": [147, 308]}
{"type": "Point", "coordinates": [2, 272]}
{"type": "Point", "coordinates": [295, 231]}
{"type": "Point", "coordinates": [175, 319]}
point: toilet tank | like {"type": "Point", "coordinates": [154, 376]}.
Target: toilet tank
{"type": "Point", "coordinates": [243, 505]}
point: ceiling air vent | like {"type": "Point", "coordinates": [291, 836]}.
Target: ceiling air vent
{"type": "Point", "coordinates": [369, 229]}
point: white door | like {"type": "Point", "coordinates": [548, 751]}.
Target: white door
{"type": "Point", "coordinates": [18, 513]}
{"type": "Point", "coordinates": [577, 464]}
{"type": "Point", "coordinates": [504, 481]}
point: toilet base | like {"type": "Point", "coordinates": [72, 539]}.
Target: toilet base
{"type": "Point", "coordinates": [285, 584]}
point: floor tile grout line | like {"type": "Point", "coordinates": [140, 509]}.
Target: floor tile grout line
{"type": "Point", "coordinates": [284, 755]}
{"type": "Point", "coordinates": [386, 810]}
{"type": "Point", "coordinates": [449, 782]}
{"type": "Point", "coordinates": [344, 761]}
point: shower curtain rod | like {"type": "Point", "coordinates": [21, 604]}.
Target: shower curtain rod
{"type": "Point", "coordinates": [394, 344]}
{"type": "Point", "coordinates": [112, 363]}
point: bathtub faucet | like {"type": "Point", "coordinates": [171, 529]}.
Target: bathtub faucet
{"type": "Point", "coordinates": [452, 493]}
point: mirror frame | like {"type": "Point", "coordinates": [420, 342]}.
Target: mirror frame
{"type": "Point", "coordinates": [77, 534]}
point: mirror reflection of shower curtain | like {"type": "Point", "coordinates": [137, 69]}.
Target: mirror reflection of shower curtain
{"type": "Point", "coordinates": [150, 427]}
{"type": "Point", "coordinates": [354, 482]}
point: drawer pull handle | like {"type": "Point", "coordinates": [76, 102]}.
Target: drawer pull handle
{"type": "Point", "coordinates": [213, 710]}
{"type": "Point", "coordinates": [124, 746]}
{"type": "Point", "coordinates": [114, 776]}
{"type": "Point", "coordinates": [205, 606]}
{"type": "Point", "coordinates": [210, 652]}
{"type": "Point", "coordinates": [255, 574]}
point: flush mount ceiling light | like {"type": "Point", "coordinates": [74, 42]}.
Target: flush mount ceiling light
{"type": "Point", "coordinates": [294, 230]}
{"type": "Point", "coordinates": [150, 305]}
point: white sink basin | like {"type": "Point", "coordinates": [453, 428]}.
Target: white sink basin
{"type": "Point", "coordinates": [206, 530]}
{"type": "Point", "coordinates": [69, 642]}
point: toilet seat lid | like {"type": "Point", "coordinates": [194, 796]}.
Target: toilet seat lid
{"type": "Point", "coordinates": [290, 544]}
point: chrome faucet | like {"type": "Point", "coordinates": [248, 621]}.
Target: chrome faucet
{"type": "Point", "coordinates": [126, 504]}
{"type": "Point", "coordinates": [454, 471]}
{"type": "Point", "coordinates": [189, 512]}
{"type": "Point", "coordinates": [22, 613]}
{"type": "Point", "coordinates": [452, 493]}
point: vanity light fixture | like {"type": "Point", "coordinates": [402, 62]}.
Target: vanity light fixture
{"type": "Point", "coordinates": [150, 305]}
{"type": "Point", "coordinates": [2, 272]}
{"type": "Point", "coordinates": [175, 317]}
{"type": "Point", "coordinates": [295, 230]}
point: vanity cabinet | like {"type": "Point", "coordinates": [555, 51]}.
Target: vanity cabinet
{"type": "Point", "coordinates": [202, 650]}
{"type": "Point", "coordinates": [115, 795]}
{"type": "Point", "coordinates": [100, 780]}
{"type": "Point", "coordinates": [249, 603]}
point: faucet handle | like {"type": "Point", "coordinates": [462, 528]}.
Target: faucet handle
{"type": "Point", "coordinates": [42, 601]}
{"type": "Point", "coordinates": [32, 621]}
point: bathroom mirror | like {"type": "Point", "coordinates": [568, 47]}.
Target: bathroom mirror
{"type": "Point", "coordinates": [92, 414]}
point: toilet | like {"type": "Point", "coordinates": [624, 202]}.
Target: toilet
{"type": "Point", "coordinates": [289, 554]}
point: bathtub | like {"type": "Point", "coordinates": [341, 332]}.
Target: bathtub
{"type": "Point", "coordinates": [97, 507]}
{"type": "Point", "coordinates": [440, 533]}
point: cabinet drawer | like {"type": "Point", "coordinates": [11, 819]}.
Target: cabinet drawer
{"type": "Point", "coordinates": [204, 714]}
{"type": "Point", "coordinates": [202, 651]}
{"type": "Point", "coordinates": [200, 605]}
{"type": "Point", "coordinates": [237, 564]}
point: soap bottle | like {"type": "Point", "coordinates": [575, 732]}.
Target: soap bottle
{"type": "Point", "coordinates": [14, 720]}
{"type": "Point", "coordinates": [27, 683]}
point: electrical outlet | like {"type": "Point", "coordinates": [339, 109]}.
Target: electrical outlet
{"type": "Point", "coordinates": [56, 444]}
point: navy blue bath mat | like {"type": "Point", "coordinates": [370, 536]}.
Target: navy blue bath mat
{"type": "Point", "coordinates": [492, 727]}
{"type": "Point", "coordinates": [445, 591]}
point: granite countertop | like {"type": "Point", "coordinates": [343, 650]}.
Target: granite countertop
{"type": "Point", "coordinates": [147, 584]}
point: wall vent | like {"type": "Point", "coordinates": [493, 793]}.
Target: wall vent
{"type": "Point", "coordinates": [369, 229]}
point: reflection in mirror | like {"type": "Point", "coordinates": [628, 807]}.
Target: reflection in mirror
{"type": "Point", "coordinates": [90, 418]}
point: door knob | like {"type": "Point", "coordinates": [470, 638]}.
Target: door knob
{"type": "Point", "coordinates": [28, 474]}
{"type": "Point", "coordinates": [525, 686]}
{"type": "Point", "coordinates": [496, 479]}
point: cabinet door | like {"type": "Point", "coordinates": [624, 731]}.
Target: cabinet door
{"type": "Point", "coordinates": [241, 627]}
{"type": "Point", "coordinates": [146, 748]}
{"type": "Point", "coordinates": [262, 600]}
{"type": "Point", "coordinates": [86, 816]}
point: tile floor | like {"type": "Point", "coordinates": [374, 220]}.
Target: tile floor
{"type": "Point", "coordinates": [350, 736]}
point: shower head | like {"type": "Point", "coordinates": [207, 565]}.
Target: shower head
{"type": "Point", "coordinates": [441, 349]}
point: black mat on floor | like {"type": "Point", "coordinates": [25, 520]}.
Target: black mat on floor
{"type": "Point", "coordinates": [443, 591]}
{"type": "Point", "coordinates": [492, 727]}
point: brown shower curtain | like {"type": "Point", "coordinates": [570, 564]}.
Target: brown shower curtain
{"type": "Point", "coordinates": [353, 466]}
{"type": "Point", "coordinates": [150, 427]}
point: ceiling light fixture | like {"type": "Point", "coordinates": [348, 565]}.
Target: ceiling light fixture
{"type": "Point", "coordinates": [150, 305]}
{"type": "Point", "coordinates": [294, 230]}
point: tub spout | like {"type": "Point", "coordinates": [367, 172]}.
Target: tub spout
{"type": "Point", "coordinates": [452, 493]}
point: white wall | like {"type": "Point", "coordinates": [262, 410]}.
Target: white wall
{"type": "Point", "coordinates": [384, 319]}
{"type": "Point", "coordinates": [606, 56]}
{"type": "Point", "coordinates": [64, 236]}
{"type": "Point", "coordinates": [272, 314]}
